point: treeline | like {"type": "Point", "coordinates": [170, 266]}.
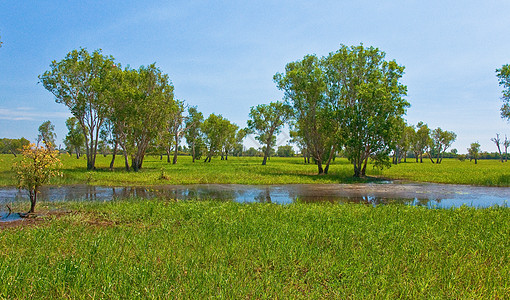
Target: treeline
{"type": "Point", "coordinates": [348, 103]}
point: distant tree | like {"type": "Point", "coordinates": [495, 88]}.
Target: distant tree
{"type": "Point", "coordinates": [37, 166]}
{"type": "Point", "coordinates": [79, 81]}
{"type": "Point", "coordinates": [421, 141]}
{"type": "Point", "coordinates": [214, 128]}
{"type": "Point", "coordinates": [403, 144]}
{"type": "Point", "coordinates": [285, 151]}
{"type": "Point", "coordinates": [473, 151]}
{"type": "Point", "coordinates": [503, 75]}
{"type": "Point", "coordinates": [176, 126]}
{"type": "Point", "coordinates": [441, 140]}
{"type": "Point", "coordinates": [506, 144]}
{"type": "Point", "coordinates": [252, 152]}
{"type": "Point", "coordinates": [74, 139]}
{"type": "Point", "coordinates": [13, 146]}
{"type": "Point", "coordinates": [266, 121]}
{"type": "Point", "coordinates": [47, 134]}
{"type": "Point", "coordinates": [229, 139]}
{"type": "Point", "coordinates": [193, 132]}
{"type": "Point", "coordinates": [497, 141]}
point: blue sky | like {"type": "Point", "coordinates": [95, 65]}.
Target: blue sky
{"type": "Point", "coordinates": [221, 55]}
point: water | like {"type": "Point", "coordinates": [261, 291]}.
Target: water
{"type": "Point", "coordinates": [424, 194]}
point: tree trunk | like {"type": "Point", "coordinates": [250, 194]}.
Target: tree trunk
{"type": "Point", "coordinates": [430, 156]}
{"type": "Point", "coordinates": [331, 154]}
{"type": "Point", "coordinates": [167, 154]}
{"type": "Point", "coordinates": [363, 171]}
{"type": "Point", "coordinates": [126, 160]}
{"type": "Point", "coordinates": [33, 200]}
{"type": "Point", "coordinates": [475, 161]}
{"type": "Point", "coordinates": [193, 152]}
{"type": "Point", "coordinates": [114, 153]}
{"type": "Point", "coordinates": [174, 161]}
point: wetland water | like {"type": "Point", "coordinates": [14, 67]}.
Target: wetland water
{"type": "Point", "coordinates": [425, 194]}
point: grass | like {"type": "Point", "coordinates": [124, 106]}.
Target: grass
{"type": "Point", "coordinates": [248, 170]}
{"type": "Point", "coordinates": [164, 249]}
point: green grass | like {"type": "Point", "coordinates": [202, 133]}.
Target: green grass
{"type": "Point", "coordinates": [164, 249]}
{"type": "Point", "coordinates": [248, 170]}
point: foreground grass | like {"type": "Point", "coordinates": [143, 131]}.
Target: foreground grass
{"type": "Point", "coordinates": [159, 249]}
{"type": "Point", "coordinates": [248, 170]}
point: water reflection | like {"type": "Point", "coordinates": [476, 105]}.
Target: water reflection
{"type": "Point", "coordinates": [429, 195]}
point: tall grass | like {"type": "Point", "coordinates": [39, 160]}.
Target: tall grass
{"type": "Point", "coordinates": [248, 170]}
{"type": "Point", "coordinates": [161, 249]}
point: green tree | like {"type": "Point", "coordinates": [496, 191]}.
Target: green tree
{"type": "Point", "coordinates": [304, 87]}
{"type": "Point", "coordinates": [420, 141]}
{"type": "Point", "coordinates": [37, 166]}
{"type": "Point", "coordinates": [176, 126]}
{"type": "Point", "coordinates": [473, 151]}
{"type": "Point", "coordinates": [404, 144]}
{"type": "Point", "coordinates": [503, 75]}
{"type": "Point", "coordinates": [13, 146]}
{"type": "Point", "coordinates": [366, 94]}
{"type": "Point", "coordinates": [193, 132]}
{"type": "Point", "coordinates": [141, 103]}
{"type": "Point", "coordinates": [74, 139]}
{"type": "Point", "coordinates": [79, 81]}
{"type": "Point", "coordinates": [285, 151]}
{"type": "Point", "coordinates": [441, 140]}
{"type": "Point", "coordinates": [47, 134]}
{"type": "Point", "coordinates": [266, 121]}
{"type": "Point", "coordinates": [217, 130]}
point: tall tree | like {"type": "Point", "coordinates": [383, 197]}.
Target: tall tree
{"type": "Point", "coordinates": [497, 141]}
{"type": "Point", "coordinates": [503, 75]}
{"type": "Point", "coordinates": [216, 130]}
{"type": "Point", "coordinates": [74, 139]}
{"type": "Point", "coordinates": [365, 92]}
{"type": "Point", "coordinates": [78, 81]}
{"type": "Point", "coordinates": [47, 134]}
{"type": "Point", "coordinates": [266, 121]}
{"type": "Point", "coordinates": [473, 151]}
{"type": "Point", "coordinates": [193, 133]}
{"type": "Point", "coordinates": [441, 140]}
{"type": "Point", "coordinates": [420, 141]}
{"type": "Point", "coordinates": [176, 126]}
{"type": "Point", "coordinates": [304, 87]}
{"type": "Point", "coordinates": [143, 101]}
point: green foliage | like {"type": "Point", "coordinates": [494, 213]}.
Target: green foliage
{"type": "Point", "coordinates": [285, 151]}
{"type": "Point", "coordinates": [473, 151]}
{"type": "Point", "coordinates": [441, 140]}
{"type": "Point", "coordinates": [79, 82]}
{"type": "Point", "coordinates": [193, 133]}
{"type": "Point", "coordinates": [503, 75]}
{"type": "Point", "coordinates": [266, 121]}
{"type": "Point", "coordinates": [75, 139]}
{"type": "Point", "coordinates": [47, 134]}
{"type": "Point", "coordinates": [13, 146]}
{"type": "Point", "coordinates": [160, 249]}
{"type": "Point", "coordinates": [220, 136]}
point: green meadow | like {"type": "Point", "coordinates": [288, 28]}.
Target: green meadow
{"type": "Point", "coordinates": [163, 249]}
{"type": "Point", "coordinates": [248, 170]}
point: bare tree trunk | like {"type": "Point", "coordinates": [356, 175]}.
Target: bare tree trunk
{"type": "Point", "coordinates": [331, 154]}
{"type": "Point", "coordinates": [174, 161]}
{"type": "Point", "coordinates": [114, 153]}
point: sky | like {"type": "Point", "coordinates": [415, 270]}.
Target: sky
{"type": "Point", "coordinates": [222, 55]}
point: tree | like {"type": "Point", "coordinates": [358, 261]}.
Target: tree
{"type": "Point", "coordinates": [176, 126]}
{"type": "Point", "coordinates": [473, 151]}
{"type": "Point", "coordinates": [441, 140]}
{"type": "Point", "coordinates": [74, 139]}
{"type": "Point", "coordinates": [141, 103]}
{"type": "Point", "coordinates": [498, 143]}
{"type": "Point", "coordinates": [366, 94]}
{"type": "Point", "coordinates": [193, 133]}
{"type": "Point", "coordinates": [36, 167]}
{"type": "Point", "coordinates": [304, 87]}
{"type": "Point", "coordinates": [420, 141]}
{"type": "Point", "coordinates": [13, 146]}
{"type": "Point", "coordinates": [79, 81]}
{"type": "Point", "coordinates": [47, 134]}
{"type": "Point", "coordinates": [403, 145]}
{"type": "Point", "coordinates": [285, 151]}
{"type": "Point", "coordinates": [503, 75]}
{"type": "Point", "coordinates": [217, 130]}
{"type": "Point", "coordinates": [266, 121]}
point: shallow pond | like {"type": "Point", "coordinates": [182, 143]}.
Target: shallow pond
{"type": "Point", "coordinates": [425, 194]}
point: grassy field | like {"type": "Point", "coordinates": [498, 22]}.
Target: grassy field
{"type": "Point", "coordinates": [248, 170]}
{"type": "Point", "coordinates": [164, 249]}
